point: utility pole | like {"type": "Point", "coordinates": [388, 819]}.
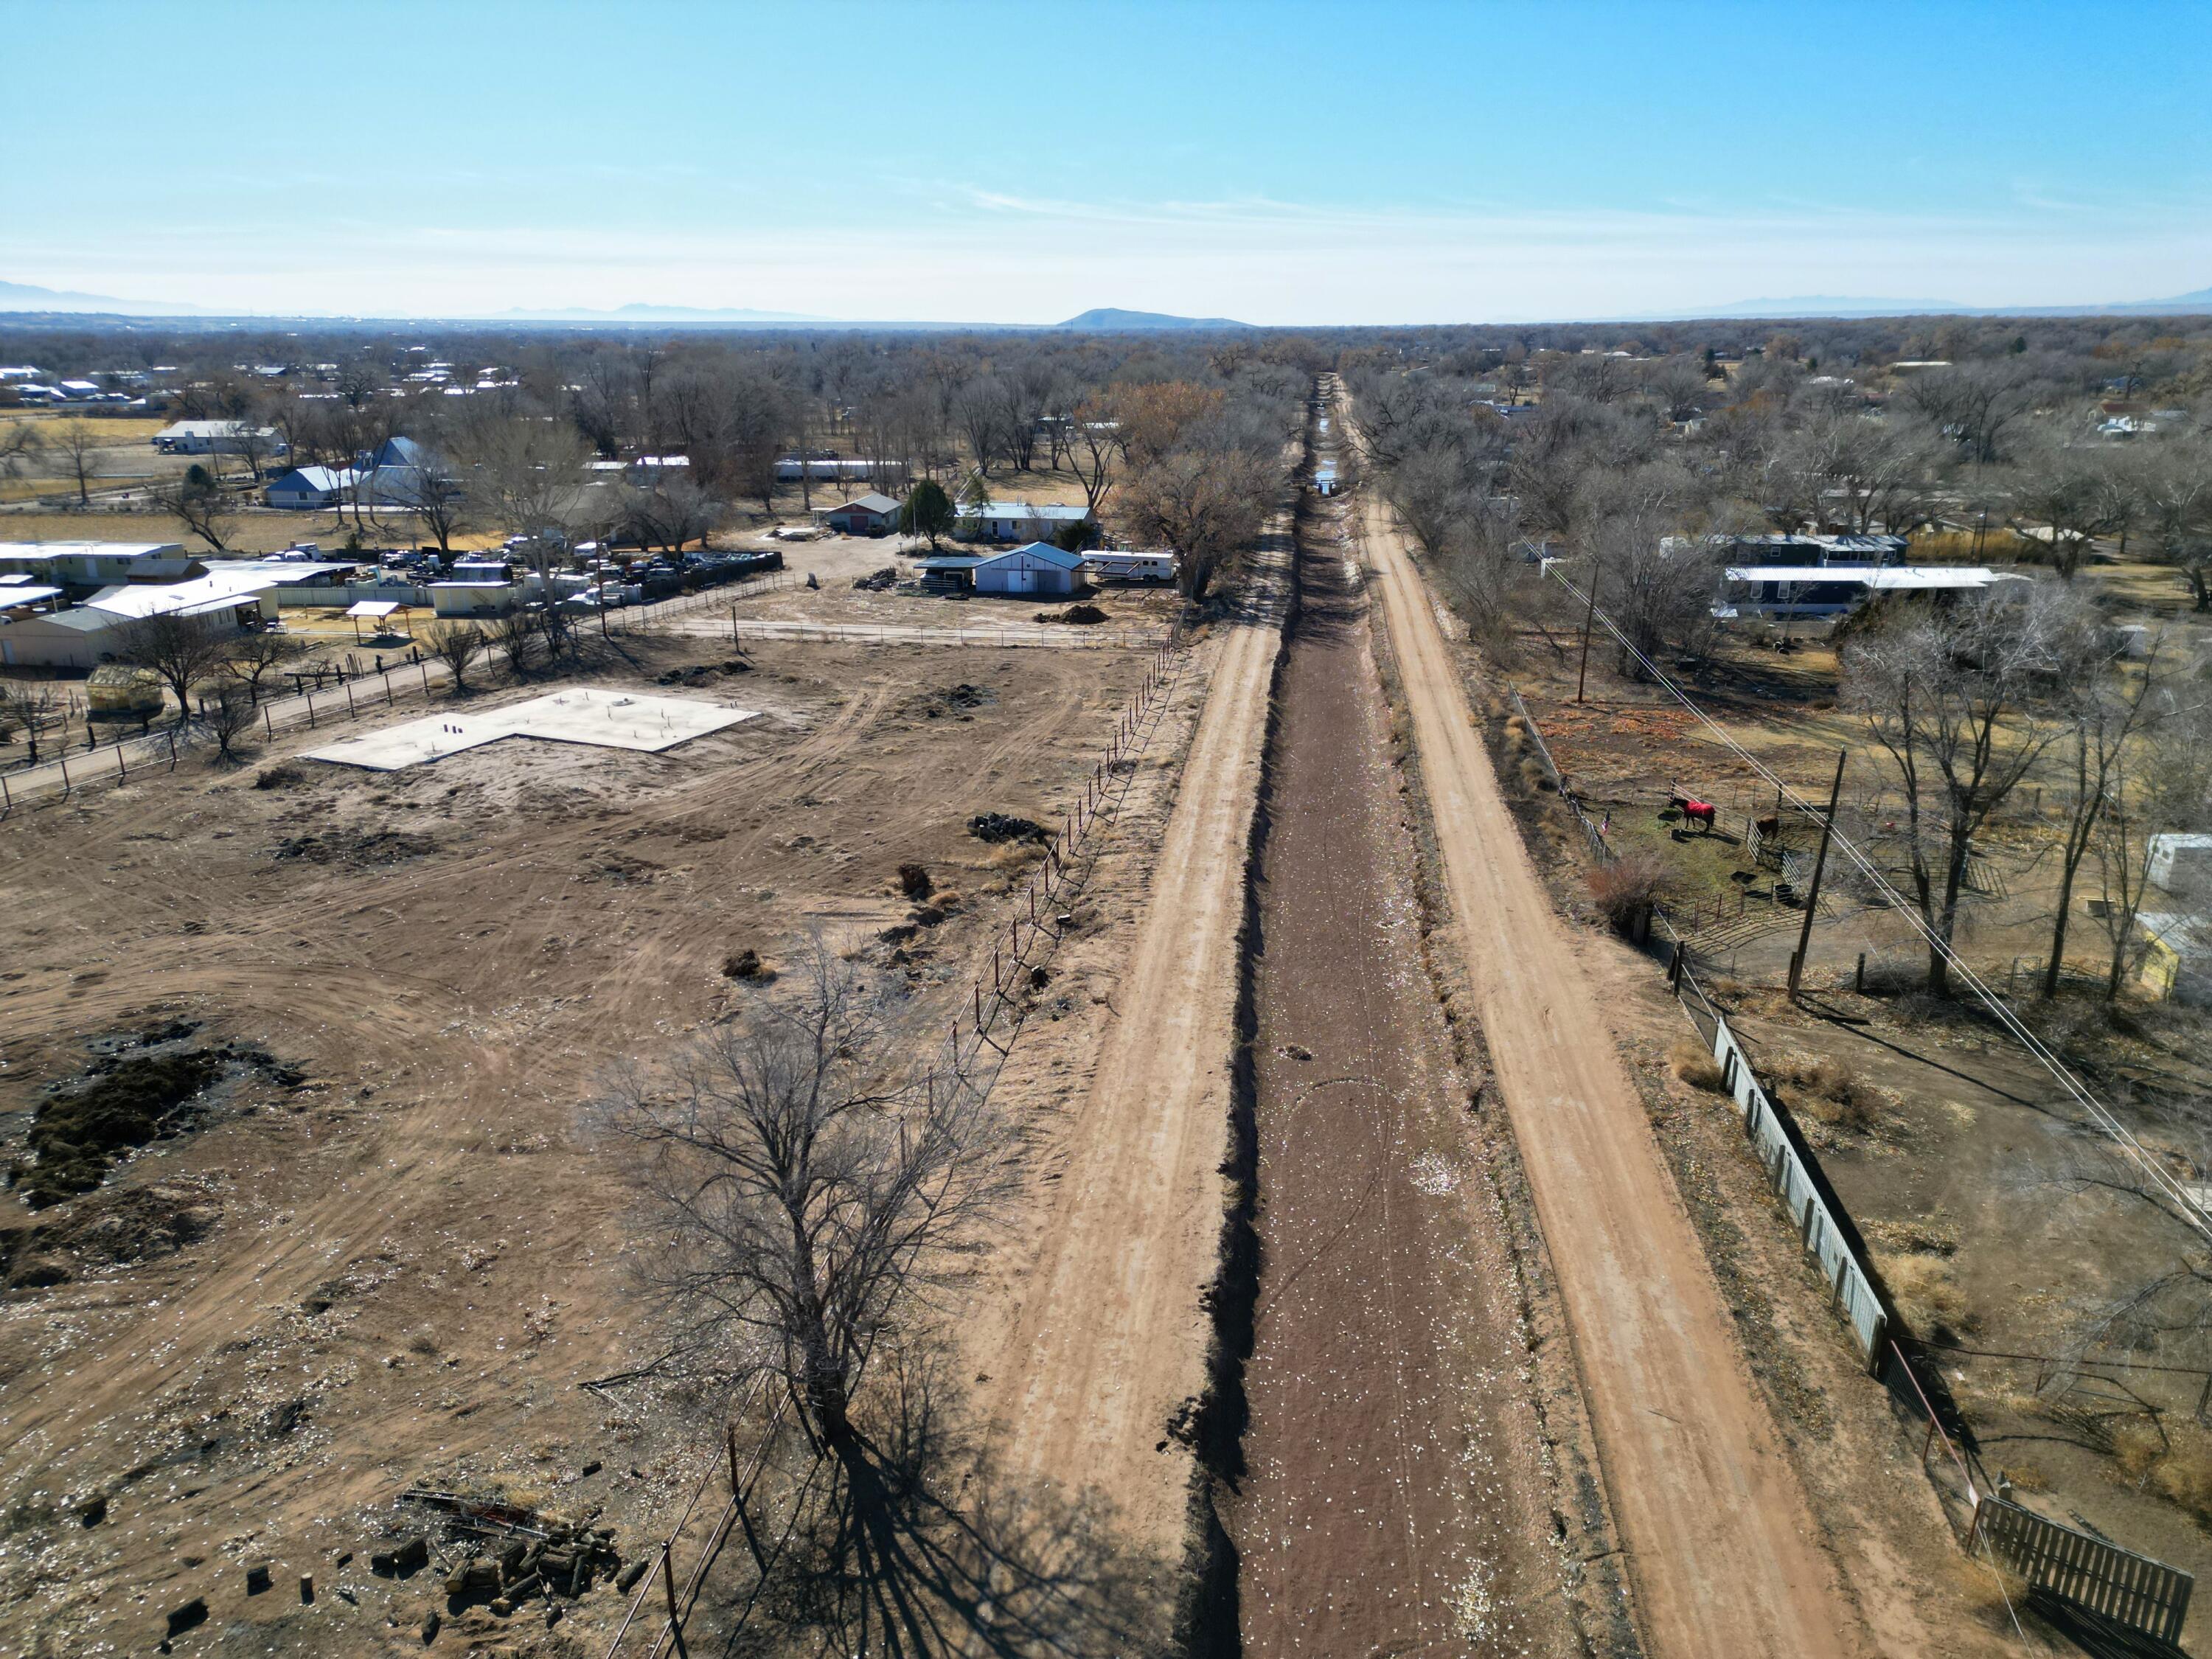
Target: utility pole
{"type": "Point", "coordinates": [1582, 676]}
{"type": "Point", "coordinates": [1820, 864]}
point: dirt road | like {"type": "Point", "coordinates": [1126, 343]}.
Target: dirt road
{"type": "Point", "coordinates": [1106, 1337]}
{"type": "Point", "coordinates": [1720, 1540]}
{"type": "Point", "coordinates": [1396, 1498]}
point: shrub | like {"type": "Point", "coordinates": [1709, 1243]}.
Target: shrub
{"type": "Point", "coordinates": [914, 882]}
{"type": "Point", "coordinates": [2176, 1464]}
{"type": "Point", "coordinates": [743, 964]}
{"type": "Point", "coordinates": [1627, 889]}
{"type": "Point", "coordinates": [1694, 1065]}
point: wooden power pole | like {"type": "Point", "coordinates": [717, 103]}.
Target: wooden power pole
{"type": "Point", "coordinates": [1820, 864]}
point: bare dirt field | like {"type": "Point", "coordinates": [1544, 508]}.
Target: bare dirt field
{"type": "Point", "coordinates": [1723, 1554]}
{"type": "Point", "coordinates": [378, 1251]}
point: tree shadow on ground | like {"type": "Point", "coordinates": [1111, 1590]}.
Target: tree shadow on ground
{"type": "Point", "coordinates": [920, 1547]}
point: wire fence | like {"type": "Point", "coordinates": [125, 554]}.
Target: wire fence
{"type": "Point", "coordinates": [978, 1040]}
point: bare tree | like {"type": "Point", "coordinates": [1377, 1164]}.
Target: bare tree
{"type": "Point", "coordinates": [2162, 782]}
{"type": "Point", "coordinates": [2111, 713]}
{"type": "Point", "coordinates": [77, 445]}
{"type": "Point", "coordinates": [33, 711]}
{"type": "Point", "coordinates": [1092, 443]}
{"type": "Point", "coordinates": [794, 1192]}
{"type": "Point", "coordinates": [1209, 506]}
{"type": "Point", "coordinates": [201, 505]}
{"type": "Point", "coordinates": [1947, 697]}
{"type": "Point", "coordinates": [230, 716]}
{"type": "Point", "coordinates": [184, 650]}
{"type": "Point", "coordinates": [21, 444]}
{"type": "Point", "coordinates": [458, 645]}
{"type": "Point", "coordinates": [252, 657]}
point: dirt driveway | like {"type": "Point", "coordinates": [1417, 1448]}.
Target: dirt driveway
{"type": "Point", "coordinates": [1723, 1554]}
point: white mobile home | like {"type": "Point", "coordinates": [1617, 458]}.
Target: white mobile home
{"type": "Point", "coordinates": [219, 438]}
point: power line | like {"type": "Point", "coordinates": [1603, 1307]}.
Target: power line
{"type": "Point", "coordinates": [2191, 1212]}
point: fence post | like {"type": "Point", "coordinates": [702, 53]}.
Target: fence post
{"type": "Point", "coordinates": [268, 720]}
{"type": "Point", "coordinates": [310, 696]}
{"type": "Point", "coordinates": [7, 804]}
{"type": "Point", "coordinates": [65, 780]}
{"type": "Point", "coordinates": [173, 750]}
{"type": "Point", "coordinates": [351, 709]}
{"type": "Point", "coordinates": [668, 1585]}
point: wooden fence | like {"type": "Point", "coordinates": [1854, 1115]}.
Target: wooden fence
{"type": "Point", "coordinates": [2142, 1594]}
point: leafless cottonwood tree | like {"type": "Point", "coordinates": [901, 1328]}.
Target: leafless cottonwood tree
{"type": "Point", "coordinates": [2112, 711]}
{"type": "Point", "coordinates": [184, 650]}
{"type": "Point", "coordinates": [76, 445]}
{"type": "Point", "coordinates": [1949, 699]}
{"type": "Point", "coordinates": [252, 658]}
{"type": "Point", "coordinates": [21, 444]}
{"type": "Point", "coordinates": [796, 1192]}
{"type": "Point", "coordinates": [458, 645]}
{"type": "Point", "coordinates": [201, 505]}
{"type": "Point", "coordinates": [2161, 782]}
{"type": "Point", "coordinates": [229, 717]}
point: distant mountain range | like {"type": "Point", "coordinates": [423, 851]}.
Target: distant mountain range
{"type": "Point", "coordinates": [23, 299]}
{"type": "Point", "coordinates": [1105, 320]}
{"type": "Point", "coordinates": [1830, 305]}
{"type": "Point", "coordinates": [23, 296]}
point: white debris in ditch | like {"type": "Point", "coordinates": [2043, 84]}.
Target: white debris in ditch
{"type": "Point", "coordinates": [575, 714]}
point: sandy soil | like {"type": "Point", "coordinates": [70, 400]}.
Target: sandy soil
{"type": "Point", "coordinates": [1722, 1555]}
{"type": "Point", "coordinates": [1097, 1345]}
{"type": "Point", "coordinates": [412, 1259]}
{"type": "Point", "coordinates": [1397, 1498]}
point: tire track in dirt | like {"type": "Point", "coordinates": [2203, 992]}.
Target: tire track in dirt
{"type": "Point", "coordinates": [1720, 1540]}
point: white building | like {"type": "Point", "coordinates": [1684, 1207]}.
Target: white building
{"type": "Point", "coordinates": [246, 597]}
{"type": "Point", "coordinates": [2181, 863]}
{"type": "Point", "coordinates": [99, 564]}
{"type": "Point", "coordinates": [1016, 521]}
{"type": "Point", "coordinates": [219, 438]}
{"type": "Point", "coordinates": [1830, 590]}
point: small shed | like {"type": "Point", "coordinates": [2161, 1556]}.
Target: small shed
{"type": "Point", "coordinates": [118, 690]}
{"type": "Point", "coordinates": [872, 514]}
{"type": "Point", "coordinates": [379, 612]}
{"type": "Point", "coordinates": [473, 598]}
{"type": "Point", "coordinates": [2181, 863]}
{"type": "Point", "coordinates": [1038, 568]}
{"type": "Point", "coordinates": [2177, 957]}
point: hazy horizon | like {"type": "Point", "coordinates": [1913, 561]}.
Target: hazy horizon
{"type": "Point", "coordinates": [1285, 164]}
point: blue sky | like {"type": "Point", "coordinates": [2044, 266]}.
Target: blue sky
{"type": "Point", "coordinates": [1280, 163]}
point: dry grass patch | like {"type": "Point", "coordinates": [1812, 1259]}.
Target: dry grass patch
{"type": "Point", "coordinates": [2176, 1463]}
{"type": "Point", "coordinates": [1691, 1063]}
{"type": "Point", "coordinates": [1926, 1291]}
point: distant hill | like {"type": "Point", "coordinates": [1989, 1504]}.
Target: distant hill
{"type": "Point", "coordinates": [25, 296]}
{"type": "Point", "coordinates": [1105, 320]}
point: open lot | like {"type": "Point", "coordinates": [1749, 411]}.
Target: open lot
{"type": "Point", "coordinates": [383, 1253]}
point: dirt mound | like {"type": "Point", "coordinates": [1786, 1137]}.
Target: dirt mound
{"type": "Point", "coordinates": [881, 581]}
{"type": "Point", "coordinates": [996, 827]}
{"type": "Point", "coordinates": [1085, 614]}
{"type": "Point", "coordinates": [114, 1230]}
{"type": "Point", "coordinates": [950, 700]}
{"type": "Point", "coordinates": [701, 673]}
{"type": "Point", "coordinates": [283, 775]}
{"type": "Point", "coordinates": [359, 850]}
{"type": "Point", "coordinates": [123, 1101]}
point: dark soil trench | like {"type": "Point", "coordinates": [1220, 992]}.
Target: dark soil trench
{"type": "Point", "coordinates": [1393, 1498]}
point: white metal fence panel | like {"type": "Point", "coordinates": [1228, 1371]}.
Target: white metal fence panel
{"type": "Point", "coordinates": [1850, 1287]}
